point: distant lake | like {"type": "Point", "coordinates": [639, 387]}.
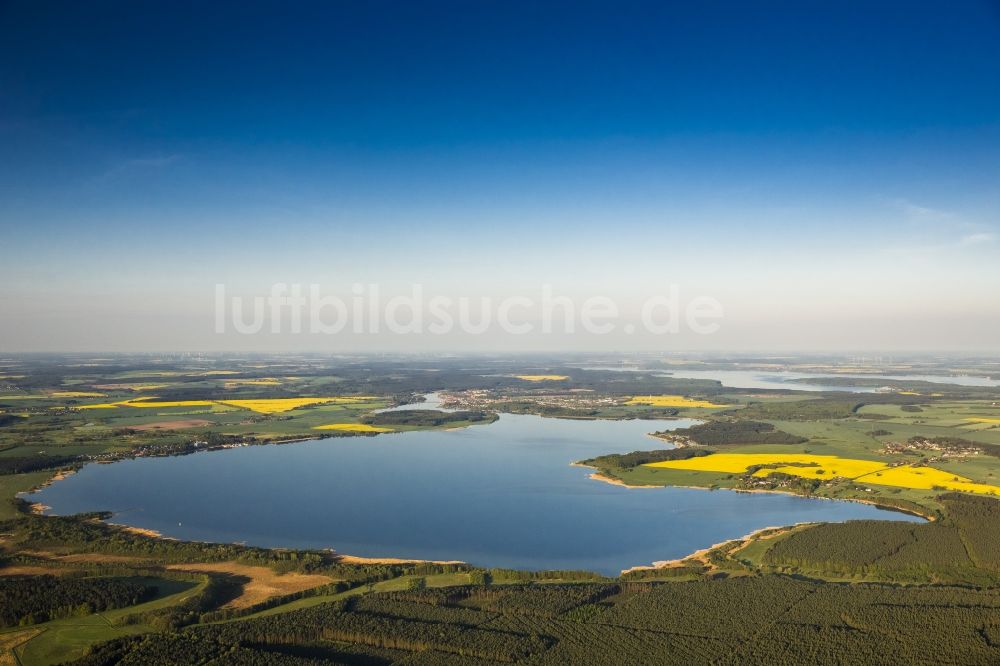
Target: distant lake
{"type": "Point", "coordinates": [498, 495]}
{"type": "Point", "coordinates": [758, 379]}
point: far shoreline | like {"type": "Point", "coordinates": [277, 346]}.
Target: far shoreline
{"type": "Point", "coordinates": [597, 475]}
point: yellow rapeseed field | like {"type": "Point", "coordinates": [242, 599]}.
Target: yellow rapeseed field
{"type": "Point", "coordinates": [541, 378]}
{"type": "Point", "coordinates": [813, 466]}
{"type": "Point", "coordinates": [352, 427]}
{"type": "Point", "coordinates": [741, 462]}
{"type": "Point", "coordinates": [146, 402]}
{"type": "Point", "coordinates": [261, 405]}
{"type": "Point", "coordinates": [104, 405]}
{"type": "Point", "coordinates": [76, 394]}
{"type": "Point", "coordinates": [847, 468]}
{"type": "Point", "coordinates": [671, 401]}
{"type": "Point", "coordinates": [926, 478]}
{"type": "Point", "coordinates": [983, 420]}
{"type": "Point", "coordinates": [265, 381]}
{"type": "Point", "coordinates": [278, 405]}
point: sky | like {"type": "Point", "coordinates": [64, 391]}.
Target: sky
{"type": "Point", "coordinates": [827, 173]}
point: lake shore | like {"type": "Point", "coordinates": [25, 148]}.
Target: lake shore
{"type": "Point", "coordinates": [355, 559]}
{"type": "Point", "coordinates": [598, 476]}
{"type": "Point", "coordinates": [701, 554]}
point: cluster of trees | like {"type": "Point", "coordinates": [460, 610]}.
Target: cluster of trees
{"type": "Point", "coordinates": [736, 432]}
{"type": "Point", "coordinates": [23, 464]}
{"type": "Point", "coordinates": [218, 590]}
{"type": "Point", "coordinates": [802, 410]}
{"type": "Point", "coordinates": [636, 458]}
{"type": "Point", "coordinates": [87, 533]}
{"type": "Point", "coordinates": [26, 600]}
{"type": "Point", "coordinates": [233, 613]}
{"type": "Point", "coordinates": [337, 621]}
{"type": "Point", "coordinates": [428, 417]}
{"type": "Point", "coordinates": [518, 576]}
{"type": "Point", "coordinates": [545, 600]}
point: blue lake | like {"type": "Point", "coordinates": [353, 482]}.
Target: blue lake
{"type": "Point", "coordinates": [499, 495]}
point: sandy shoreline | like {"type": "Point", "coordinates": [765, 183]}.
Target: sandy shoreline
{"type": "Point", "coordinates": [143, 531]}
{"type": "Point", "coordinates": [701, 553]}
{"type": "Point", "coordinates": [597, 476]}
{"type": "Point", "coordinates": [354, 559]}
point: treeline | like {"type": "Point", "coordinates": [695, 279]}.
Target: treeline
{"type": "Point", "coordinates": [617, 412]}
{"type": "Point", "coordinates": [428, 417]}
{"type": "Point", "coordinates": [963, 547]}
{"type": "Point", "coordinates": [547, 599]}
{"type": "Point", "coordinates": [800, 410]}
{"type": "Point", "coordinates": [22, 464]}
{"type": "Point", "coordinates": [26, 600]}
{"type": "Point", "coordinates": [519, 576]}
{"type": "Point", "coordinates": [736, 432]}
{"type": "Point", "coordinates": [218, 589]}
{"type": "Point", "coordinates": [88, 533]}
{"type": "Point", "coordinates": [337, 621]}
{"type": "Point", "coordinates": [273, 602]}
{"type": "Point", "coordinates": [636, 458]}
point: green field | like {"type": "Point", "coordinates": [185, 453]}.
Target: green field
{"type": "Point", "coordinates": [811, 594]}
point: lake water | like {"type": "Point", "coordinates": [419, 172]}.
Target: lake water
{"type": "Point", "coordinates": [500, 495]}
{"type": "Point", "coordinates": [758, 379]}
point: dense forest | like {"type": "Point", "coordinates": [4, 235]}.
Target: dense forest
{"type": "Point", "coordinates": [800, 410]}
{"type": "Point", "coordinates": [962, 547]}
{"type": "Point", "coordinates": [28, 600]}
{"type": "Point", "coordinates": [734, 432]}
{"type": "Point", "coordinates": [756, 619]}
{"type": "Point", "coordinates": [427, 417]}
{"type": "Point", "coordinates": [636, 458]}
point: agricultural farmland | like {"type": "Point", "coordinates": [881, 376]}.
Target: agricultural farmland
{"type": "Point", "coordinates": [895, 449]}
{"type": "Point", "coordinates": [672, 401]}
{"type": "Point", "coordinates": [812, 466]}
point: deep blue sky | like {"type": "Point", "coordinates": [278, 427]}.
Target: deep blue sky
{"type": "Point", "coordinates": [160, 148]}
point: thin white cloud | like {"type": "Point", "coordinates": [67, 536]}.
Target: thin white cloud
{"type": "Point", "coordinates": [133, 165]}
{"type": "Point", "coordinates": [933, 230]}
{"type": "Point", "coordinates": [977, 239]}
{"type": "Point", "coordinates": [923, 214]}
